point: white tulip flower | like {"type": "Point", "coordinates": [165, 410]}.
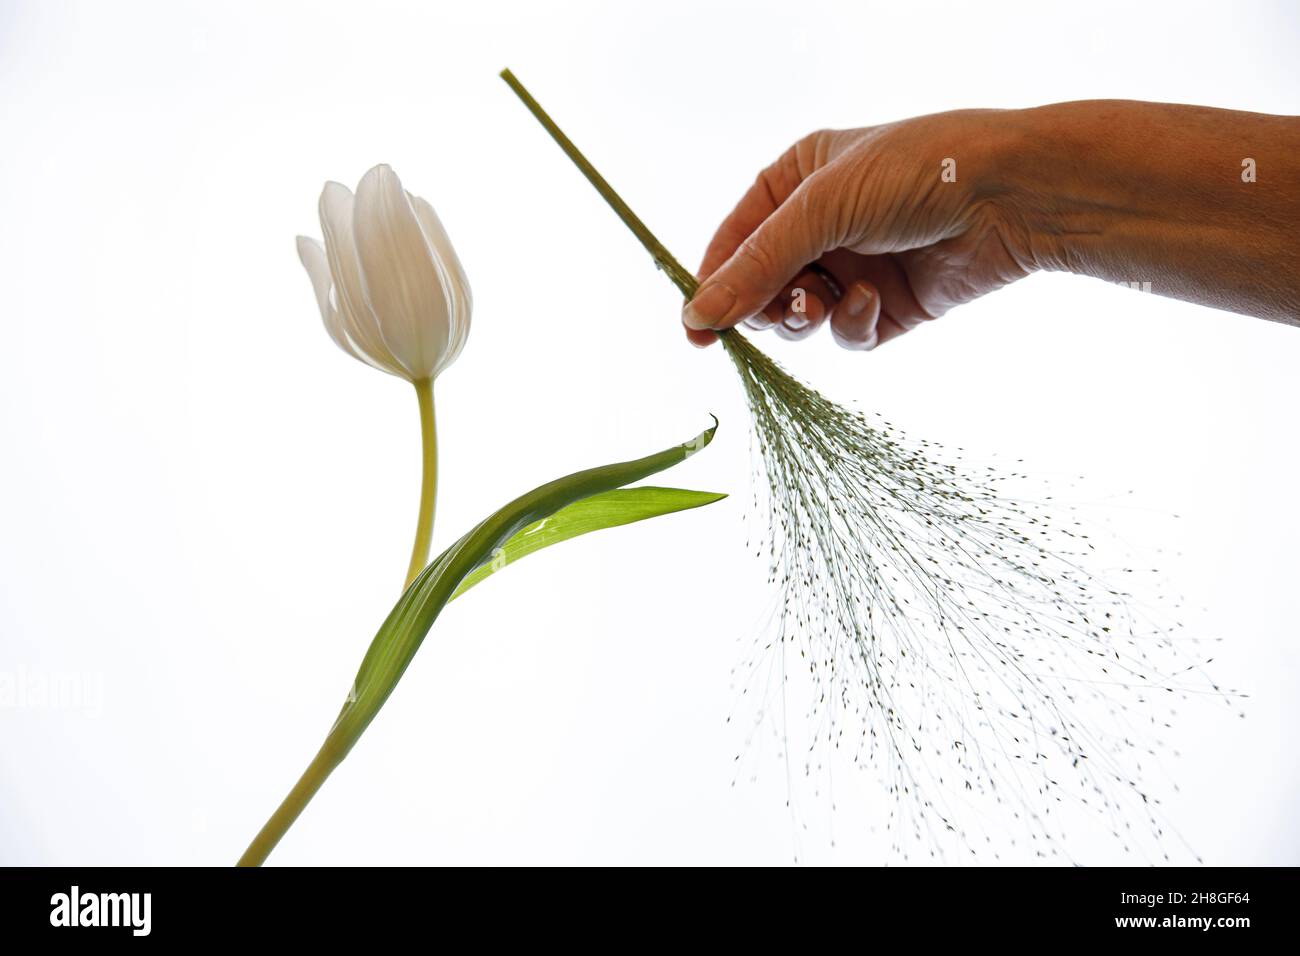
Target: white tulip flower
{"type": "Point", "coordinates": [392, 293]}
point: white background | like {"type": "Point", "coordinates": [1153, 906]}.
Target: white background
{"type": "Point", "coordinates": [205, 506]}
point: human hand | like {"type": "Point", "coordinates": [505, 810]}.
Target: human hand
{"type": "Point", "coordinates": [876, 230]}
{"type": "Point", "coordinates": [863, 226]}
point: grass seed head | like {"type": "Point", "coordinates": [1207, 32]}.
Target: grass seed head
{"type": "Point", "coordinates": [953, 638]}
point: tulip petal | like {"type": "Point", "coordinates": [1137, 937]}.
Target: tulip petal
{"type": "Point", "coordinates": [355, 316]}
{"type": "Point", "coordinates": [314, 260]}
{"type": "Point", "coordinates": [459, 297]}
{"type": "Point", "coordinates": [404, 283]}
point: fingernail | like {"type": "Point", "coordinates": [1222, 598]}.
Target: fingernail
{"type": "Point", "coordinates": [709, 307]}
{"type": "Point", "coordinates": [857, 301]}
{"type": "Point", "coordinates": [796, 321]}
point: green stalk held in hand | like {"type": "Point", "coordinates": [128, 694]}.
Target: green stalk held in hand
{"type": "Point", "coordinates": [582, 502]}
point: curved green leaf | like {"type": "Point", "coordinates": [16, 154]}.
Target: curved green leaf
{"type": "Point", "coordinates": [404, 629]}
{"type": "Point", "coordinates": [401, 634]}
{"type": "Point", "coordinates": [606, 510]}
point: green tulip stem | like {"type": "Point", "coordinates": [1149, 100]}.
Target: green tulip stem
{"type": "Point", "coordinates": [329, 757]}
{"type": "Point", "coordinates": [428, 485]}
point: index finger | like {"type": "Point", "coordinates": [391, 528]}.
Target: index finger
{"type": "Point", "coordinates": [770, 189]}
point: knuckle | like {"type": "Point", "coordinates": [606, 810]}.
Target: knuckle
{"type": "Point", "coordinates": [753, 254]}
{"type": "Point", "coordinates": [811, 149]}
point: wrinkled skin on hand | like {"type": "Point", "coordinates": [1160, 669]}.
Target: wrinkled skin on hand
{"type": "Point", "coordinates": [898, 228]}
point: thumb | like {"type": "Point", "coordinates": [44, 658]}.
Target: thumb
{"type": "Point", "coordinates": [777, 251]}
